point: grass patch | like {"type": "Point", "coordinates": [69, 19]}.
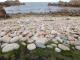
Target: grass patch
{"type": "Point", "coordinates": [41, 54]}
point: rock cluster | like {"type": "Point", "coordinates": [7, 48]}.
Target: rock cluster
{"type": "Point", "coordinates": [65, 12]}
{"type": "Point", "coordinates": [38, 33]}
{"type": "Point", "coordinates": [72, 3]}
{"type": "Point", "coordinates": [11, 3]}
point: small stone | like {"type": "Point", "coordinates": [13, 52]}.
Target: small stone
{"type": "Point", "coordinates": [30, 41]}
{"type": "Point", "coordinates": [76, 36]}
{"type": "Point", "coordinates": [79, 38]}
{"type": "Point", "coordinates": [77, 43]}
{"type": "Point", "coordinates": [23, 43]}
{"type": "Point", "coordinates": [53, 32]}
{"type": "Point", "coordinates": [30, 34]}
{"type": "Point", "coordinates": [42, 40]}
{"type": "Point", "coordinates": [40, 45]}
{"type": "Point", "coordinates": [54, 40]}
{"type": "Point", "coordinates": [73, 48]}
{"type": "Point", "coordinates": [57, 50]}
{"type": "Point", "coordinates": [35, 38]}
{"type": "Point", "coordinates": [64, 38]}
{"type": "Point", "coordinates": [72, 42]}
{"type": "Point", "coordinates": [43, 28]}
{"type": "Point", "coordinates": [59, 39]}
{"type": "Point", "coordinates": [44, 33]}
{"type": "Point", "coordinates": [12, 35]}
{"type": "Point", "coordinates": [54, 45]}
{"type": "Point", "coordinates": [63, 47]}
{"type": "Point", "coordinates": [5, 39]}
{"type": "Point", "coordinates": [71, 38]}
{"type": "Point", "coordinates": [47, 36]}
{"type": "Point", "coordinates": [25, 33]}
{"type": "Point", "coordinates": [3, 45]}
{"type": "Point", "coordinates": [27, 21]}
{"type": "Point", "coordinates": [52, 36]}
{"type": "Point", "coordinates": [47, 32]}
{"type": "Point", "coordinates": [77, 47]}
{"type": "Point", "coordinates": [49, 46]}
{"type": "Point", "coordinates": [23, 39]}
{"type": "Point", "coordinates": [67, 42]}
{"type": "Point", "coordinates": [31, 46]}
{"type": "Point", "coordinates": [3, 33]}
{"type": "Point", "coordinates": [14, 39]}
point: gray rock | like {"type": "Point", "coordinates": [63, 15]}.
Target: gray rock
{"type": "Point", "coordinates": [59, 39]}
{"type": "Point", "coordinates": [77, 43]}
{"type": "Point", "coordinates": [50, 38]}
{"type": "Point", "coordinates": [40, 45]}
{"type": "Point", "coordinates": [64, 38]}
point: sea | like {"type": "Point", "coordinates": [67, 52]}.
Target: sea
{"type": "Point", "coordinates": [38, 7]}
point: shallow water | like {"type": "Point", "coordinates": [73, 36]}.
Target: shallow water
{"type": "Point", "coordinates": [35, 7]}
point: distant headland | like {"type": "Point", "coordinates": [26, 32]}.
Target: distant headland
{"type": "Point", "coordinates": [71, 3]}
{"type": "Point", "coordinates": [11, 3]}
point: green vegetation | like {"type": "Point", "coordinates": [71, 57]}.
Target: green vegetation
{"type": "Point", "coordinates": [40, 54]}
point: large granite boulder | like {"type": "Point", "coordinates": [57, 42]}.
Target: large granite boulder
{"type": "Point", "coordinates": [3, 13]}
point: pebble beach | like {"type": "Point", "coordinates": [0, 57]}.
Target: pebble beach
{"type": "Point", "coordinates": [37, 31]}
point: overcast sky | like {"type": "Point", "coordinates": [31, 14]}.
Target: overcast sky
{"type": "Point", "coordinates": [38, 0]}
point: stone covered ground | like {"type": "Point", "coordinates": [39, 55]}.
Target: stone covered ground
{"type": "Point", "coordinates": [40, 38]}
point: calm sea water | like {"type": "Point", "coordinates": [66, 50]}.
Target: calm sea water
{"type": "Point", "coordinates": [35, 7]}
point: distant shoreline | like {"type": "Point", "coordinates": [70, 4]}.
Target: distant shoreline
{"type": "Point", "coordinates": [59, 13]}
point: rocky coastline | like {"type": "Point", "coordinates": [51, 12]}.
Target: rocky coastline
{"type": "Point", "coordinates": [11, 3]}
{"type": "Point", "coordinates": [59, 13]}
{"type": "Point", "coordinates": [72, 3]}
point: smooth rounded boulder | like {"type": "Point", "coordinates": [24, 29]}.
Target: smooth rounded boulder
{"type": "Point", "coordinates": [63, 47]}
{"type": "Point", "coordinates": [10, 47]}
{"type": "Point", "coordinates": [77, 47]}
{"type": "Point", "coordinates": [42, 40]}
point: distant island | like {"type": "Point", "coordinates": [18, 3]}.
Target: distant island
{"type": "Point", "coordinates": [72, 3]}
{"type": "Point", "coordinates": [11, 3]}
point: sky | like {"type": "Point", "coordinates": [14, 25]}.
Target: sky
{"type": "Point", "coordinates": [38, 0]}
